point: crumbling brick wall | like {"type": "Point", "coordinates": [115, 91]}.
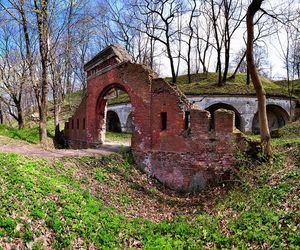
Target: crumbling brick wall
{"type": "Point", "coordinates": [171, 139]}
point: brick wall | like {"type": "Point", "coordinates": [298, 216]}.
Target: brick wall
{"type": "Point", "coordinates": [171, 140]}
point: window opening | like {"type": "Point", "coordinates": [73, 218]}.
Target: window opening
{"type": "Point", "coordinates": [163, 116]}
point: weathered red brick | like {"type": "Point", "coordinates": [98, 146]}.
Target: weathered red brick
{"type": "Point", "coordinates": [186, 156]}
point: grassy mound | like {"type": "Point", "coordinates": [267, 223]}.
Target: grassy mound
{"type": "Point", "coordinates": [294, 86]}
{"type": "Point", "coordinates": [207, 84]}
{"type": "Point", "coordinates": [289, 134]}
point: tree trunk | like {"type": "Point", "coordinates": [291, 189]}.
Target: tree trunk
{"type": "Point", "coordinates": [248, 77]}
{"type": "Point", "coordinates": [171, 62]}
{"type": "Point", "coordinates": [190, 41]}
{"type": "Point", "coordinates": [226, 41]}
{"type": "Point", "coordinates": [260, 92]}
{"type": "Point", "coordinates": [226, 65]}
{"type": "Point", "coordinates": [41, 15]}
{"type": "Point", "coordinates": [56, 101]}
{"type": "Point", "coordinates": [20, 115]}
{"type": "Point", "coordinates": [68, 51]}
{"type": "Point", "coordinates": [219, 70]}
{"type": "Point", "coordinates": [44, 105]}
{"type": "Point", "coordinates": [1, 114]}
{"type": "Point", "coordinates": [218, 45]}
{"type": "Point", "coordinates": [232, 77]}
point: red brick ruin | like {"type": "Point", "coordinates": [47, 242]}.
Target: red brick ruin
{"type": "Point", "coordinates": [172, 140]}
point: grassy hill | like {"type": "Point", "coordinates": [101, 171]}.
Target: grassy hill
{"type": "Point", "coordinates": [206, 84]}
{"type": "Point", "coordinates": [107, 203]}
{"type": "Point", "coordinates": [294, 86]}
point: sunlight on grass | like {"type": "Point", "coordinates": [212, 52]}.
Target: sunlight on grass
{"type": "Point", "coordinates": [52, 196]}
{"type": "Point", "coordinates": [118, 137]}
{"type": "Point", "coordinates": [30, 135]}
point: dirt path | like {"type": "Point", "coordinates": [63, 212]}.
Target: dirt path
{"type": "Point", "coordinates": [16, 146]}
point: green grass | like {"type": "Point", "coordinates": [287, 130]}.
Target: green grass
{"type": "Point", "coordinates": [117, 137]}
{"type": "Point", "coordinates": [260, 209]}
{"type": "Point", "coordinates": [237, 86]}
{"type": "Point", "coordinates": [30, 135]}
{"type": "Point", "coordinates": [288, 135]}
{"type": "Point", "coordinates": [122, 98]}
{"type": "Point", "coordinates": [294, 86]}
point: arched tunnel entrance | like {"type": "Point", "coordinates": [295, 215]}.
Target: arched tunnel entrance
{"type": "Point", "coordinates": [217, 106]}
{"type": "Point", "coordinates": [111, 126]}
{"type": "Point", "coordinates": [113, 122]}
{"type": "Point", "coordinates": [277, 118]}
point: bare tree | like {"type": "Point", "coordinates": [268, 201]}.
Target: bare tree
{"type": "Point", "coordinates": [157, 19]}
{"type": "Point", "coordinates": [233, 17]}
{"type": "Point", "coordinates": [41, 11]}
{"type": "Point", "coordinates": [253, 8]}
{"type": "Point", "coordinates": [216, 10]}
{"type": "Point", "coordinates": [12, 74]}
{"type": "Point", "coordinates": [203, 27]}
{"type": "Point", "coordinates": [190, 34]}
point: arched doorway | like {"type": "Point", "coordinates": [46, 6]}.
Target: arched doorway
{"type": "Point", "coordinates": [113, 123]}
{"type": "Point", "coordinates": [109, 125]}
{"type": "Point", "coordinates": [217, 106]}
{"type": "Point", "coordinates": [277, 118]}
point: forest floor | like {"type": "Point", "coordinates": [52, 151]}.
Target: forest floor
{"type": "Point", "coordinates": [106, 202]}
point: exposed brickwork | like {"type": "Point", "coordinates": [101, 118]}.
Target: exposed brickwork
{"type": "Point", "coordinates": [171, 139]}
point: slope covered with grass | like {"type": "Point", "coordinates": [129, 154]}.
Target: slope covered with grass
{"type": "Point", "coordinates": [289, 134]}
{"type": "Point", "coordinates": [107, 203]}
{"type": "Point", "coordinates": [30, 135]}
{"type": "Point", "coordinates": [294, 86]}
{"type": "Point", "coordinates": [207, 84]}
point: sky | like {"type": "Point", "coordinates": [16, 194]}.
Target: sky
{"type": "Point", "coordinates": [276, 70]}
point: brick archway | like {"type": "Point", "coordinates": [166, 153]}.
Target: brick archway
{"type": "Point", "coordinates": [171, 138]}
{"type": "Point", "coordinates": [100, 110]}
{"type": "Point", "coordinates": [138, 90]}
